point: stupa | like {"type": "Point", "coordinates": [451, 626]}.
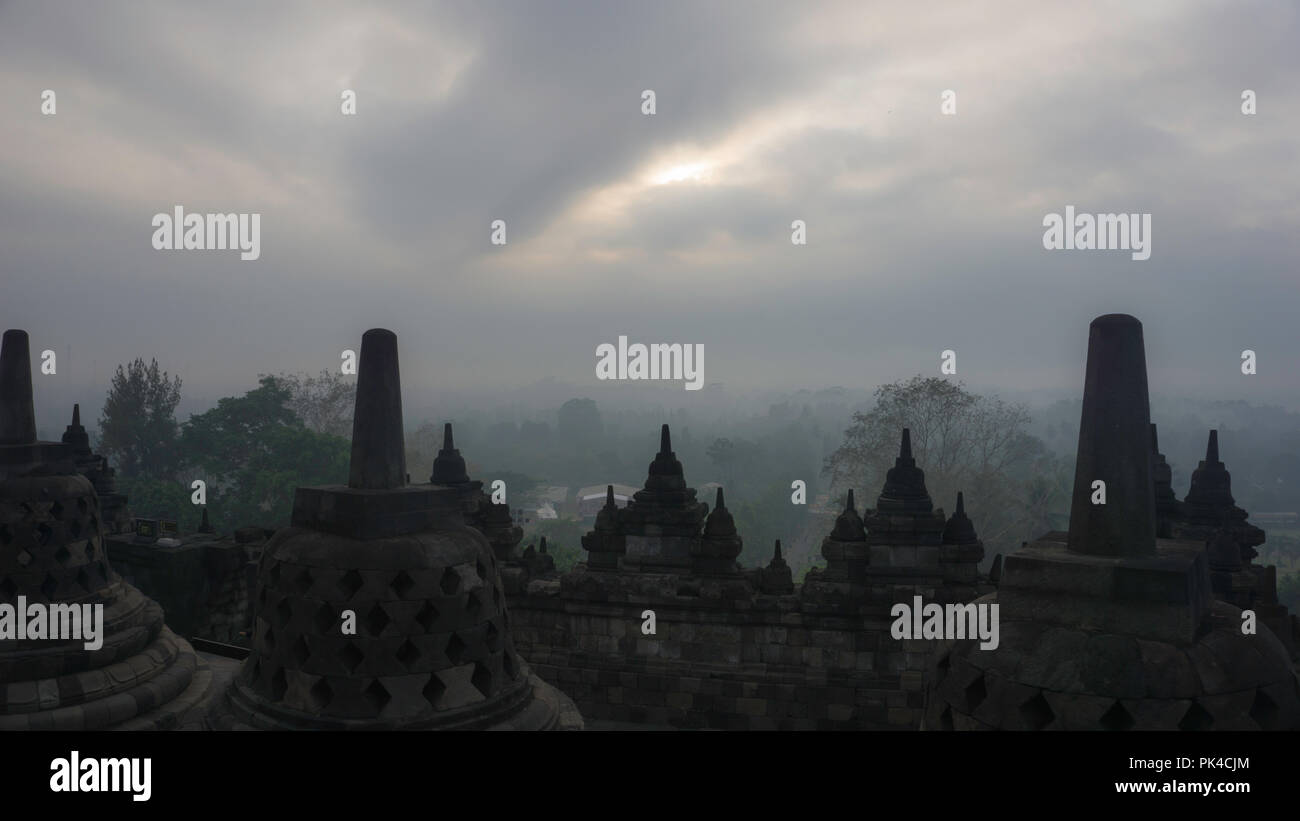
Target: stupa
{"type": "Point", "coordinates": [431, 646]}
{"type": "Point", "coordinates": [1107, 626]}
{"type": "Point", "coordinates": [52, 529]}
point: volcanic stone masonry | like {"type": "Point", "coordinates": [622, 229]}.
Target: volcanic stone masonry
{"type": "Point", "coordinates": [432, 647]}
{"type": "Point", "coordinates": [1110, 626]}
{"type": "Point", "coordinates": [52, 551]}
{"type": "Point", "coordinates": [746, 649]}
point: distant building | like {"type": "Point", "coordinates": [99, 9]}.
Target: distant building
{"type": "Point", "coordinates": [592, 499]}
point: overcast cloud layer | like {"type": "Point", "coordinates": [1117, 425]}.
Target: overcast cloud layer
{"type": "Point", "coordinates": [924, 231]}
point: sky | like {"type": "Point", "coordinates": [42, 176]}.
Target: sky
{"type": "Point", "coordinates": [924, 229]}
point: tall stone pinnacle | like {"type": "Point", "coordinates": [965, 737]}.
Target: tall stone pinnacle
{"type": "Point", "coordinates": [76, 437]}
{"type": "Point", "coordinates": [378, 450]}
{"type": "Point", "coordinates": [848, 525]}
{"type": "Point", "coordinates": [1212, 448]}
{"type": "Point", "coordinates": [665, 440]}
{"type": "Point", "coordinates": [959, 529]}
{"type": "Point", "coordinates": [17, 412]}
{"type": "Point", "coordinates": [449, 465]}
{"type": "Point", "coordinates": [905, 490]}
{"type": "Point", "coordinates": [1114, 445]}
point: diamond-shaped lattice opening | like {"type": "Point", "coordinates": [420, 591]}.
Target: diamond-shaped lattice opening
{"type": "Point", "coordinates": [408, 653]}
{"type": "Point", "coordinates": [1196, 718]}
{"type": "Point", "coordinates": [49, 586]}
{"type": "Point", "coordinates": [508, 665]}
{"type": "Point", "coordinates": [455, 649]}
{"type": "Point", "coordinates": [74, 528]}
{"type": "Point", "coordinates": [56, 510]}
{"type": "Point", "coordinates": [427, 616]}
{"type": "Point", "coordinates": [24, 558]}
{"type": "Point", "coordinates": [279, 685]}
{"type": "Point", "coordinates": [62, 554]}
{"type": "Point", "coordinates": [976, 692]}
{"type": "Point", "coordinates": [402, 583]}
{"type": "Point", "coordinates": [450, 581]}
{"type": "Point", "coordinates": [1117, 718]}
{"type": "Point", "coordinates": [83, 579]}
{"type": "Point", "coordinates": [482, 679]}
{"type": "Point", "coordinates": [473, 605]}
{"type": "Point", "coordinates": [7, 587]}
{"type": "Point", "coordinates": [1264, 711]}
{"type": "Point", "coordinates": [945, 719]}
{"type": "Point", "coordinates": [376, 695]}
{"type": "Point", "coordinates": [481, 570]}
{"type": "Point", "coordinates": [493, 637]}
{"type": "Point", "coordinates": [351, 583]}
{"type": "Point", "coordinates": [1037, 713]}
{"type": "Point", "coordinates": [321, 694]}
{"type": "Point", "coordinates": [941, 668]}
{"type": "Point", "coordinates": [44, 533]}
{"type": "Point", "coordinates": [377, 620]}
{"type": "Point", "coordinates": [433, 691]}
{"type": "Point", "coordinates": [275, 575]}
{"type": "Point", "coordinates": [94, 522]}
{"type": "Point", "coordinates": [284, 612]}
{"type": "Point", "coordinates": [90, 550]}
{"type": "Point", "coordinates": [82, 507]}
{"type": "Point", "coordinates": [325, 620]}
{"type": "Point", "coordinates": [301, 652]}
{"type": "Point", "coordinates": [304, 581]}
{"type": "Point", "coordinates": [351, 657]}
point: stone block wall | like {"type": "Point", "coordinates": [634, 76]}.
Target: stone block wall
{"type": "Point", "coordinates": [751, 662]}
{"type": "Point", "coordinates": [204, 587]}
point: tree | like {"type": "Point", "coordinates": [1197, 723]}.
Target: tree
{"type": "Point", "coordinates": [324, 402]}
{"type": "Point", "coordinates": [962, 441]}
{"type": "Point", "coordinates": [138, 427]}
{"type": "Point", "coordinates": [254, 452]}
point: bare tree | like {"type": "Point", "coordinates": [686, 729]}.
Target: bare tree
{"type": "Point", "coordinates": [962, 441]}
{"type": "Point", "coordinates": [324, 402]}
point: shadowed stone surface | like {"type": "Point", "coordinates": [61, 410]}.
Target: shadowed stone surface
{"type": "Point", "coordinates": [1114, 445]}
{"type": "Point", "coordinates": [431, 648]}
{"type": "Point", "coordinates": [52, 552]}
{"type": "Point", "coordinates": [1106, 627]}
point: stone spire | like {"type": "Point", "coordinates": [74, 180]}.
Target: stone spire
{"type": "Point", "coordinates": [1114, 445]}
{"type": "Point", "coordinates": [665, 471]}
{"type": "Point", "coordinates": [848, 525]}
{"type": "Point", "coordinates": [959, 529]}
{"type": "Point", "coordinates": [432, 649]}
{"type": "Point", "coordinates": [1211, 490]}
{"type": "Point", "coordinates": [606, 543]}
{"type": "Point", "coordinates": [17, 411]}
{"type": "Point", "coordinates": [845, 549]}
{"type": "Point", "coordinates": [449, 466]}
{"type": "Point", "coordinates": [52, 553]}
{"type": "Point", "coordinates": [662, 522]}
{"type": "Point", "coordinates": [378, 450]}
{"type": "Point", "coordinates": [1105, 627]}
{"type": "Point", "coordinates": [1162, 482]}
{"type": "Point", "coordinates": [76, 437]}
{"type": "Point", "coordinates": [905, 484]}
{"type": "Point", "coordinates": [716, 552]}
{"type": "Point", "coordinates": [776, 579]}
